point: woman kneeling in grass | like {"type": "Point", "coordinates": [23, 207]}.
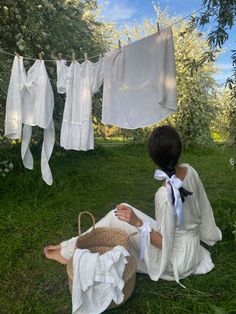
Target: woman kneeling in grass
{"type": "Point", "coordinates": [169, 246]}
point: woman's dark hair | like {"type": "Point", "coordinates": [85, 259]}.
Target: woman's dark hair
{"type": "Point", "coordinates": [164, 147]}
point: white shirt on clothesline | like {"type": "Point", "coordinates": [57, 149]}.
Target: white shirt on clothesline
{"type": "Point", "coordinates": [30, 101]}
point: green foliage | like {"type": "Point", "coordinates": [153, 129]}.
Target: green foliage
{"type": "Point", "coordinates": [222, 13]}
{"type": "Point", "coordinates": [195, 89]}
{"type": "Point", "coordinates": [5, 167]}
{"type": "Point", "coordinates": [52, 27]}
{"type": "Point", "coordinates": [225, 121]}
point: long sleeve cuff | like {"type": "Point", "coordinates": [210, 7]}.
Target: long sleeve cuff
{"type": "Point", "coordinates": [68, 247]}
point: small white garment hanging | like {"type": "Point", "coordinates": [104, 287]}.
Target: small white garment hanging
{"type": "Point", "coordinates": [79, 82]}
{"type": "Point", "coordinates": [13, 116]}
{"type": "Point", "coordinates": [62, 69]}
{"type": "Point", "coordinates": [140, 82]}
{"type": "Point", "coordinates": [175, 183]}
{"type": "Point", "coordinates": [34, 107]}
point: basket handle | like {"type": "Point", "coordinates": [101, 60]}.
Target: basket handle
{"type": "Point", "coordinates": [132, 234]}
{"type": "Point", "coordinates": [79, 220]}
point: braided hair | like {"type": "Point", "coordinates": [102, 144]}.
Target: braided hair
{"type": "Point", "coordinates": [164, 147]}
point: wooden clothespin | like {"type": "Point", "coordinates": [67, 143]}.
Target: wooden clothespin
{"type": "Point", "coordinates": [158, 28]}
{"type": "Point", "coordinates": [73, 56]}
{"type": "Point", "coordinates": [119, 44]}
{"type": "Point", "coordinates": [60, 56]}
{"type": "Point", "coordinates": [85, 55]}
{"type": "Point", "coordinates": [41, 56]}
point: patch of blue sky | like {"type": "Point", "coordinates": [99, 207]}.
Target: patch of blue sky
{"type": "Point", "coordinates": [128, 11]}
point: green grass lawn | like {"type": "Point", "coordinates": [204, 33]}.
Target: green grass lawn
{"type": "Point", "coordinates": [33, 215]}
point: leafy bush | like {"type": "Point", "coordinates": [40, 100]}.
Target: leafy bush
{"type": "Point", "coordinates": [225, 122]}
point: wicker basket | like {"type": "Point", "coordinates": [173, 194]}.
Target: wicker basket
{"type": "Point", "coordinates": [102, 240]}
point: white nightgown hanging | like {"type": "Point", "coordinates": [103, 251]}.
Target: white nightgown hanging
{"type": "Point", "coordinates": [140, 82]}
{"type": "Point", "coordinates": [181, 253]}
{"type": "Point", "coordinates": [30, 101]}
{"type": "Point", "coordinates": [79, 82]}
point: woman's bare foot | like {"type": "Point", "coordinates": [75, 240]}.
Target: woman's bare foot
{"type": "Point", "coordinates": [53, 252]}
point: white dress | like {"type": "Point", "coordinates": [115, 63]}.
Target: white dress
{"type": "Point", "coordinates": [30, 101]}
{"type": "Point", "coordinates": [140, 82]}
{"type": "Point", "coordinates": [79, 82]}
{"type": "Point", "coordinates": [181, 253]}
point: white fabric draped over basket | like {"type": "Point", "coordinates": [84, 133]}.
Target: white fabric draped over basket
{"type": "Point", "coordinates": [97, 279]}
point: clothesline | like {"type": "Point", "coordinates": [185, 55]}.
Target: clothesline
{"type": "Point", "coordinates": [95, 56]}
{"type": "Point", "coordinates": [30, 97]}
{"type": "Point", "coordinates": [30, 58]}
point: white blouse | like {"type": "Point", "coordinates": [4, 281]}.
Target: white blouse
{"type": "Point", "coordinates": [30, 102]}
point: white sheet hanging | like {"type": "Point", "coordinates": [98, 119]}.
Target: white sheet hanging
{"type": "Point", "coordinates": [30, 101]}
{"type": "Point", "coordinates": [79, 82]}
{"type": "Point", "coordinates": [140, 82]}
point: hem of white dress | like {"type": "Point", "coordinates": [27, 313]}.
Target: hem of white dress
{"type": "Point", "coordinates": [149, 123]}
{"type": "Point", "coordinates": [77, 136]}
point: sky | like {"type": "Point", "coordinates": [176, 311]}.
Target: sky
{"type": "Point", "coordinates": [127, 11]}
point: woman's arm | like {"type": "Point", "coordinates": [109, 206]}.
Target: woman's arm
{"type": "Point", "coordinates": [126, 213]}
{"type": "Point", "coordinates": [156, 239]}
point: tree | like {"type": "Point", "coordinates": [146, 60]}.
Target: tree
{"type": "Point", "coordinates": [222, 14]}
{"type": "Point", "coordinates": [225, 122]}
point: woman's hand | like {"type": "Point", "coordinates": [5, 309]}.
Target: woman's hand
{"type": "Point", "coordinates": [126, 213]}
